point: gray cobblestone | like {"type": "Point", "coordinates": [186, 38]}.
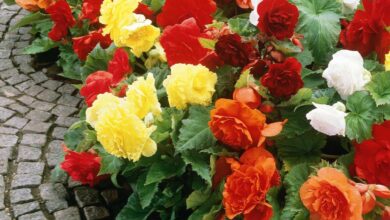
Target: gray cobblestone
{"type": "Point", "coordinates": [7, 140]}
{"type": "Point", "coordinates": [5, 101]}
{"type": "Point", "coordinates": [4, 215]}
{"type": "Point", "coordinates": [96, 213]}
{"type": "Point", "coordinates": [64, 111]}
{"type": "Point", "coordinates": [25, 85]}
{"type": "Point", "coordinates": [38, 115]}
{"type": "Point", "coordinates": [17, 79]}
{"type": "Point", "coordinates": [86, 196]}
{"type": "Point", "coordinates": [68, 100]}
{"type": "Point", "coordinates": [5, 114]}
{"type": "Point", "coordinates": [34, 140]}
{"type": "Point", "coordinates": [71, 213]}
{"type": "Point", "coordinates": [8, 73]}
{"type": "Point", "coordinates": [19, 108]}
{"type": "Point", "coordinates": [39, 77]}
{"type": "Point", "coordinates": [52, 84]}
{"type": "Point", "coordinates": [66, 121]}
{"type": "Point", "coordinates": [7, 130]}
{"type": "Point", "coordinates": [37, 127]}
{"type": "Point", "coordinates": [59, 132]}
{"type": "Point", "coordinates": [9, 91]}
{"type": "Point", "coordinates": [27, 153]}
{"type": "Point", "coordinates": [27, 100]}
{"type": "Point", "coordinates": [30, 168]}
{"type": "Point", "coordinates": [34, 90]}
{"type": "Point", "coordinates": [33, 216]}
{"type": "Point", "coordinates": [21, 195]}
{"type": "Point", "coordinates": [25, 180]}
{"type": "Point", "coordinates": [43, 106]}
{"type": "Point", "coordinates": [25, 208]}
{"type": "Point", "coordinates": [67, 88]}
{"type": "Point", "coordinates": [48, 95]}
{"type": "Point", "coordinates": [16, 122]}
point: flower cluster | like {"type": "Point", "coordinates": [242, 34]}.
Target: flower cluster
{"type": "Point", "coordinates": [228, 109]}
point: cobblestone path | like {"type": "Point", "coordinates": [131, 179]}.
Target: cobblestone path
{"type": "Point", "coordinates": [35, 111]}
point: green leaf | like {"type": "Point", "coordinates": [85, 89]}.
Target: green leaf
{"type": "Point", "coordinates": [362, 116]}
{"type": "Point", "coordinates": [373, 65]}
{"type": "Point", "coordinates": [195, 132]}
{"type": "Point", "coordinates": [30, 19]}
{"type": "Point", "coordinates": [57, 174]}
{"type": "Point", "coordinates": [145, 192]}
{"type": "Point", "coordinates": [303, 95]}
{"type": "Point", "coordinates": [110, 164]}
{"type": "Point", "coordinates": [379, 88]}
{"type": "Point", "coordinates": [273, 200]}
{"type": "Point", "coordinates": [134, 210]}
{"type": "Point", "coordinates": [297, 123]}
{"type": "Point", "coordinates": [286, 47]}
{"type": "Point", "coordinates": [245, 79]}
{"type": "Point", "coordinates": [300, 149]}
{"type": "Point", "coordinates": [207, 43]}
{"type": "Point", "coordinates": [242, 26]}
{"type": "Point", "coordinates": [164, 168]}
{"type": "Point", "coordinates": [9, 2]}
{"type": "Point", "coordinates": [200, 163]}
{"type": "Point", "coordinates": [69, 62]}
{"type": "Point", "coordinates": [319, 22]}
{"type": "Point", "coordinates": [97, 60]}
{"type": "Point", "coordinates": [197, 198]}
{"type": "Point", "coordinates": [226, 80]}
{"type": "Point", "coordinates": [156, 5]}
{"type": "Point", "coordinates": [305, 57]}
{"type": "Point", "coordinates": [211, 207]}
{"type": "Point", "coordinates": [74, 135]}
{"type": "Point", "coordinates": [293, 181]}
{"type": "Point", "coordinates": [40, 45]}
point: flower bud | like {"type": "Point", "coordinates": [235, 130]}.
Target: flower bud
{"type": "Point", "coordinates": [248, 96]}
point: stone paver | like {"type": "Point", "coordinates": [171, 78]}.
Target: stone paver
{"type": "Point", "coordinates": [35, 113]}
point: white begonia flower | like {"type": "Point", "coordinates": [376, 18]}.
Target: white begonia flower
{"type": "Point", "coordinates": [351, 4]}
{"type": "Point", "coordinates": [346, 73]}
{"type": "Point", "coordinates": [254, 16]}
{"type": "Point", "coordinates": [329, 120]}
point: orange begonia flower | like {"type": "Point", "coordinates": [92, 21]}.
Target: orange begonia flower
{"type": "Point", "coordinates": [240, 127]}
{"type": "Point", "coordinates": [330, 196]}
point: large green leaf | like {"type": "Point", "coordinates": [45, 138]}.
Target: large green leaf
{"type": "Point", "coordinates": [293, 181]}
{"type": "Point", "coordinates": [297, 123]}
{"type": "Point", "coordinates": [145, 192]}
{"type": "Point", "coordinates": [197, 198]}
{"type": "Point", "coordinates": [164, 168]}
{"type": "Point", "coordinates": [200, 163]}
{"type": "Point", "coordinates": [133, 210]}
{"type": "Point", "coordinates": [69, 62]}
{"type": "Point", "coordinates": [97, 60]}
{"type": "Point", "coordinates": [379, 88]}
{"type": "Point", "coordinates": [40, 45]}
{"type": "Point", "coordinates": [242, 26]}
{"type": "Point", "coordinates": [319, 22]}
{"type": "Point", "coordinates": [79, 137]}
{"type": "Point", "coordinates": [110, 164]}
{"type": "Point", "coordinates": [363, 114]}
{"type": "Point", "coordinates": [195, 132]}
{"type": "Point", "coordinates": [273, 200]}
{"type": "Point", "coordinates": [211, 207]}
{"type": "Point", "coordinates": [30, 19]}
{"type": "Point", "coordinates": [300, 149]}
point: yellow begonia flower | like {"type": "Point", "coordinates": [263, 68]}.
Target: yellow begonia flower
{"type": "Point", "coordinates": [387, 62]}
{"type": "Point", "coordinates": [190, 84]}
{"type": "Point", "coordinates": [141, 97]}
{"type": "Point", "coordinates": [115, 15]}
{"type": "Point", "coordinates": [140, 36]}
{"type": "Point", "coordinates": [103, 103]}
{"type": "Point", "coordinates": [124, 134]}
{"type": "Point", "coordinates": [127, 29]}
